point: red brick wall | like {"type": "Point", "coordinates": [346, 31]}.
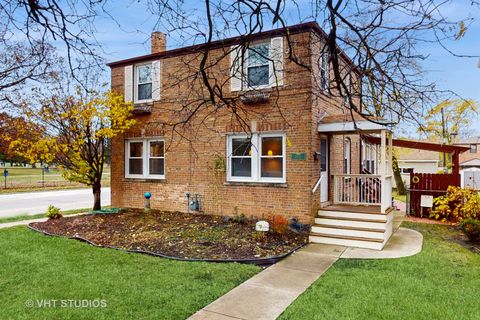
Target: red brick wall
{"type": "Point", "coordinates": [192, 149]}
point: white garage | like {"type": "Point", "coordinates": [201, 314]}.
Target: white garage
{"type": "Point", "coordinates": [470, 174]}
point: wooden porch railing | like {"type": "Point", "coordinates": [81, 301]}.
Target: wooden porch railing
{"type": "Point", "coordinates": [362, 189]}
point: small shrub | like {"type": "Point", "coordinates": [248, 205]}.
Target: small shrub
{"type": "Point", "coordinates": [471, 228]}
{"type": "Point", "coordinates": [259, 236]}
{"type": "Point", "coordinates": [278, 224]}
{"type": "Point", "coordinates": [239, 218]}
{"type": "Point", "coordinates": [456, 205]}
{"type": "Point", "coordinates": [53, 212]}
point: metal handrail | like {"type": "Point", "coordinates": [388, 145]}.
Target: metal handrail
{"type": "Point", "coordinates": [317, 184]}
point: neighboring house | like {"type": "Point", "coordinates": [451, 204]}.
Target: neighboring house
{"type": "Point", "coordinates": [302, 156]}
{"type": "Point", "coordinates": [470, 163]}
{"type": "Point", "coordinates": [418, 161]}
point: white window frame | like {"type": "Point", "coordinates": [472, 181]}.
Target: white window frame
{"type": "Point", "coordinates": [269, 63]}
{"type": "Point", "coordinates": [127, 158]}
{"type": "Point", "coordinates": [136, 82]}
{"type": "Point", "coordinates": [154, 176]}
{"type": "Point", "coordinates": [230, 156]}
{"type": "Point", "coordinates": [145, 159]}
{"type": "Point", "coordinates": [325, 69]}
{"type": "Point", "coordinates": [256, 158]}
{"type": "Point", "coordinates": [348, 85]}
{"type": "Point", "coordinates": [473, 148]}
{"type": "Point", "coordinates": [347, 143]}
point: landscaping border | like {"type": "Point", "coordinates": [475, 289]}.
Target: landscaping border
{"type": "Point", "coordinates": [257, 261]}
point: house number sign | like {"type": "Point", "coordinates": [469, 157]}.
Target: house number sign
{"type": "Point", "coordinates": [299, 156]}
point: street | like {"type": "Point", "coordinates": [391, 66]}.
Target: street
{"type": "Point", "coordinates": [30, 203]}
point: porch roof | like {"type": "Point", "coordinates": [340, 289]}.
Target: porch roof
{"type": "Point", "coordinates": [356, 126]}
{"type": "Point", "coordinates": [438, 147]}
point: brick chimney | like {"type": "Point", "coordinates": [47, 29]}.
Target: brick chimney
{"type": "Point", "coordinates": [159, 41]}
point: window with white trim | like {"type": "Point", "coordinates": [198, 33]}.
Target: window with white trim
{"type": "Point", "coordinates": [257, 158]}
{"type": "Point", "coordinates": [258, 65]}
{"type": "Point", "coordinates": [145, 158]}
{"type": "Point", "coordinates": [406, 170]}
{"type": "Point", "coordinates": [348, 85]}
{"type": "Point", "coordinates": [324, 71]}
{"type": "Point", "coordinates": [143, 82]}
{"type": "Point", "coordinates": [347, 156]}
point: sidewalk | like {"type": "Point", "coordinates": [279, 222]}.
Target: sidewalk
{"type": "Point", "coordinates": [269, 293]}
{"type": "Point", "coordinates": [25, 222]}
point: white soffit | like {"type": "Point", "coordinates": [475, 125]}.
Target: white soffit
{"type": "Point", "coordinates": [350, 126]}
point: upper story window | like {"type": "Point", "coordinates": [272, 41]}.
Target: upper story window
{"type": "Point", "coordinates": [143, 82]}
{"type": "Point", "coordinates": [259, 158]}
{"type": "Point", "coordinates": [473, 148]}
{"type": "Point", "coordinates": [258, 65]}
{"type": "Point", "coordinates": [145, 158]}
{"type": "Point", "coordinates": [348, 84]}
{"type": "Point", "coordinates": [324, 71]}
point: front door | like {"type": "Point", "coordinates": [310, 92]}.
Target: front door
{"type": "Point", "coordinates": [324, 169]}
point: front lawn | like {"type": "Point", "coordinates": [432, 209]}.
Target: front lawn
{"type": "Point", "coordinates": [399, 197]}
{"type": "Point", "coordinates": [441, 282]}
{"type": "Point", "coordinates": [34, 267]}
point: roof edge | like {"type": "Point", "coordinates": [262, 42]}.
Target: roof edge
{"type": "Point", "coordinates": [294, 29]}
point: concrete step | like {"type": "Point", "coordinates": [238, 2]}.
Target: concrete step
{"type": "Point", "coordinates": [354, 215]}
{"type": "Point", "coordinates": [348, 241]}
{"type": "Point", "coordinates": [348, 232]}
{"type": "Point", "coordinates": [355, 223]}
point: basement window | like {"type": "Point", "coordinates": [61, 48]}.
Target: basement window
{"type": "Point", "coordinates": [256, 158]}
{"type": "Point", "coordinates": [145, 158]}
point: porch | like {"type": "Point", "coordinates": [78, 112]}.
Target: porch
{"type": "Point", "coordinates": [358, 211]}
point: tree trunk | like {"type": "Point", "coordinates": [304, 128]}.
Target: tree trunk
{"type": "Point", "coordinates": [97, 188]}
{"type": "Point", "coordinates": [398, 177]}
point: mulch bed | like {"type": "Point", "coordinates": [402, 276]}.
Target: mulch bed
{"type": "Point", "coordinates": [175, 234]}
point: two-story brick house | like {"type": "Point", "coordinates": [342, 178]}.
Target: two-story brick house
{"type": "Point", "coordinates": [285, 146]}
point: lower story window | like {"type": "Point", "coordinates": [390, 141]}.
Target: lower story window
{"type": "Point", "coordinates": [256, 158]}
{"type": "Point", "coordinates": [145, 158]}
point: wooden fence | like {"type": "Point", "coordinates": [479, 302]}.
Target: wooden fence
{"type": "Point", "coordinates": [428, 184]}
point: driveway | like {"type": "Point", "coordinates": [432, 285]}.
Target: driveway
{"type": "Point", "coordinates": [37, 202]}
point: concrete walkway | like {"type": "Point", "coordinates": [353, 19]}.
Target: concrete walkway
{"type": "Point", "coordinates": [20, 223]}
{"type": "Point", "coordinates": [25, 222]}
{"type": "Point", "coordinates": [404, 243]}
{"type": "Point", "coordinates": [269, 293]}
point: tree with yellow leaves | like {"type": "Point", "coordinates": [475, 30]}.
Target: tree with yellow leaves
{"type": "Point", "coordinates": [77, 129]}
{"type": "Point", "coordinates": [449, 119]}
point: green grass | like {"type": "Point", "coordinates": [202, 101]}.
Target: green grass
{"type": "Point", "coordinates": [21, 179]}
{"type": "Point", "coordinates": [441, 282]}
{"type": "Point", "coordinates": [396, 196]}
{"type": "Point", "coordinates": [42, 215]}
{"type": "Point", "coordinates": [135, 286]}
